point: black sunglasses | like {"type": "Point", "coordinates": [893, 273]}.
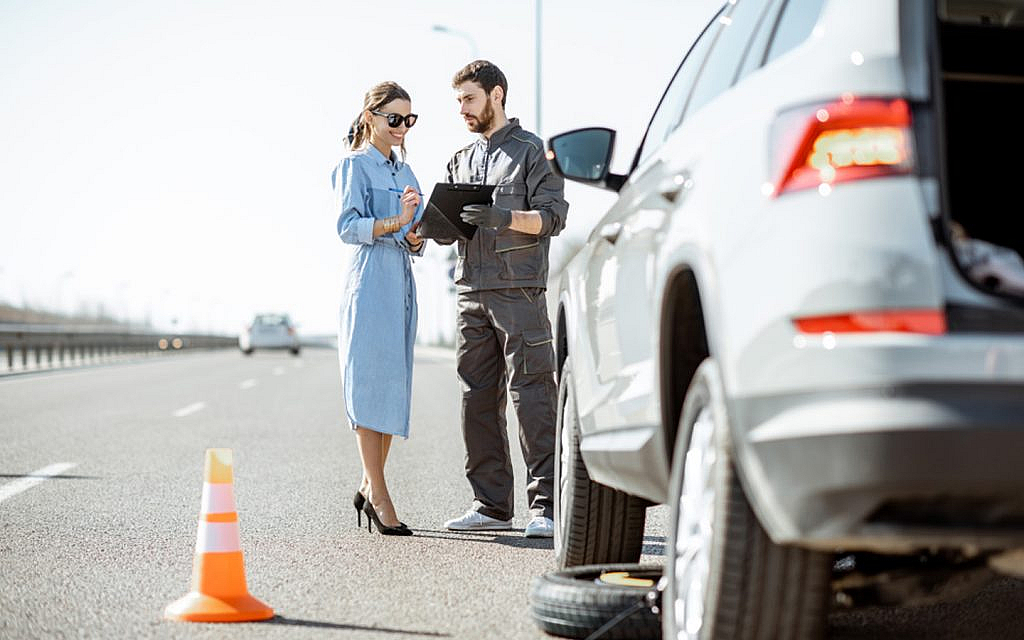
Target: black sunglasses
{"type": "Point", "coordinates": [395, 119]}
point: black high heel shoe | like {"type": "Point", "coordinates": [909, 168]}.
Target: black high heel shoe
{"type": "Point", "coordinates": [358, 501]}
{"type": "Point", "coordinates": [371, 518]}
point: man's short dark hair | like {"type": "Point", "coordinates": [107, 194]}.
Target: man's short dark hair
{"type": "Point", "coordinates": [484, 73]}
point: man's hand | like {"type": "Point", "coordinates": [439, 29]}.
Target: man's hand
{"type": "Point", "coordinates": [413, 237]}
{"type": "Point", "coordinates": [483, 215]}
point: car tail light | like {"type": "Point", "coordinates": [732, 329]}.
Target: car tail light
{"type": "Point", "coordinates": [849, 139]}
{"type": "Point", "coordinates": [928, 321]}
{"type": "Point", "coordinates": [291, 331]}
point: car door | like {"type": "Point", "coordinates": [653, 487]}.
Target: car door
{"type": "Point", "coordinates": [619, 268]}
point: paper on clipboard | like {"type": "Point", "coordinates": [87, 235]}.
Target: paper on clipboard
{"type": "Point", "coordinates": [442, 215]}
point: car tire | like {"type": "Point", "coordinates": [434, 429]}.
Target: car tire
{"type": "Point", "coordinates": [594, 524]}
{"type": "Point", "coordinates": [725, 577]}
{"type": "Point", "coordinates": [295, 352]}
{"type": "Point", "coordinates": [574, 603]}
{"type": "Point", "coordinates": [247, 352]}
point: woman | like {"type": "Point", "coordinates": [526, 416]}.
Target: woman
{"type": "Point", "coordinates": [379, 209]}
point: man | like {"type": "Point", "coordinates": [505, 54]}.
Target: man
{"type": "Point", "coordinates": [504, 335]}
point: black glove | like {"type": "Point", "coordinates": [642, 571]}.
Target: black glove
{"type": "Point", "coordinates": [485, 215]}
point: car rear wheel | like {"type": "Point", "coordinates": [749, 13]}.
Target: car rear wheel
{"type": "Point", "coordinates": [594, 524]}
{"type": "Point", "coordinates": [726, 578]}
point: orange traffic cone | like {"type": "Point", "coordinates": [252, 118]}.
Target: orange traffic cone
{"type": "Point", "coordinates": [218, 591]}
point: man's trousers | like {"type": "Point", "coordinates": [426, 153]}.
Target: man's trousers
{"type": "Point", "coordinates": [504, 339]}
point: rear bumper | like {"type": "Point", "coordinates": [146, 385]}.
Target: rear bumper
{"type": "Point", "coordinates": [891, 468]}
{"type": "Point", "coordinates": [273, 342]}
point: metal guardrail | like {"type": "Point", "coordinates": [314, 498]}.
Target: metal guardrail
{"type": "Point", "coordinates": [55, 346]}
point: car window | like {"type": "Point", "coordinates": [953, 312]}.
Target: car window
{"type": "Point", "coordinates": [720, 67]}
{"type": "Point", "coordinates": [667, 116]}
{"type": "Point", "coordinates": [795, 25]}
{"type": "Point", "coordinates": [754, 55]}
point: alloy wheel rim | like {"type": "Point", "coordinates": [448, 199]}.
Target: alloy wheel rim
{"type": "Point", "coordinates": [694, 529]}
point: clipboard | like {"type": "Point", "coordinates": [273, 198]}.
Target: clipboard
{"type": "Point", "coordinates": [442, 213]}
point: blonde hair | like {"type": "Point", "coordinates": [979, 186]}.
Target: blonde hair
{"type": "Point", "coordinates": [376, 97]}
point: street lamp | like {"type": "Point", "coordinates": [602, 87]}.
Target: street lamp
{"type": "Point", "coordinates": [536, 58]}
{"type": "Point", "coordinates": [440, 28]}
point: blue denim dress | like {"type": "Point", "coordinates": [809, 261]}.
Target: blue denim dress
{"type": "Point", "coordinates": [378, 306]}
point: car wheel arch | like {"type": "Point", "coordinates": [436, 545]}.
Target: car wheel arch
{"type": "Point", "coordinates": [684, 345]}
{"type": "Point", "coordinates": [561, 341]}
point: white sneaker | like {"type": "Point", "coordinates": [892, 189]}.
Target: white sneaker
{"type": "Point", "coordinates": [475, 521]}
{"type": "Point", "coordinates": [540, 527]}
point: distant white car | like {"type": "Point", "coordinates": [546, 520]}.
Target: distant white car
{"type": "Point", "coordinates": [269, 331]}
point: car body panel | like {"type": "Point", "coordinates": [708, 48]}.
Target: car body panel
{"type": "Point", "coordinates": [704, 202]}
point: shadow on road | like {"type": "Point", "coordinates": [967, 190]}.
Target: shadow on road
{"type": "Point", "coordinates": [505, 538]}
{"type": "Point", "coordinates": [991, 614]}
{"type": "Point", "coordinates": [351, 627]}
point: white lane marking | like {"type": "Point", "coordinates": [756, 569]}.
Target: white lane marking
{"type": "Point", "coordinates": [247, 384]}
{"type": "Point", "coordinates": [278, 371]}
{"type": "Point", "coordinates": [34, 478]}
{"type": "Point", "coordinates": [190, 409]}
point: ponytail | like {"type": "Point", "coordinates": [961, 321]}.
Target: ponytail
{"type": "Point", "coordinates": [358, 133]}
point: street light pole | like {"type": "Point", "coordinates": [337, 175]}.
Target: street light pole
{"type": "Point", "coordinates": [440, 28]}
{"type": "Point", "coordinates": [537, 40]}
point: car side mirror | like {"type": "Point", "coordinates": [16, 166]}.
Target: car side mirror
{"type": "Point", "coordinates": [584, 155]}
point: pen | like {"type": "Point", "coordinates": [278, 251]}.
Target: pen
{"type": "Point", "coordinates": [403, 191]}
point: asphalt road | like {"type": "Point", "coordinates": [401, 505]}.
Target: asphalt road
{"type": "Point", "coordinates": [99, 550]}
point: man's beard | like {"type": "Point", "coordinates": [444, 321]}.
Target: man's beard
{"type": "Point", "coordinates": [486, 118]}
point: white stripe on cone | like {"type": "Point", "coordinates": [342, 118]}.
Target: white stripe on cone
{"type": "Point", "coordinates": [218, 537]}
{"type": "Point", "coordinates": [218, 497]}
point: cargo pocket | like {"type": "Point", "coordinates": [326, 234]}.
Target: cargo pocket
{"type": "Point", "coordinates": [538, 352]}
{"type": "Point", "coordinates": [519, 256]}
{"type": "Point", "coordinates": [459, 274]}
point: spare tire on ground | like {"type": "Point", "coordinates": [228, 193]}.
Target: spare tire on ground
{"type": "Point", "coordinates": [576, 602]}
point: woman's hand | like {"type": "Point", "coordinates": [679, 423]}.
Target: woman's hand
{"type": "Point", "coordinates": [410, 202]}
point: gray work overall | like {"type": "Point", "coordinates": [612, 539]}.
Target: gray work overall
{"type": "Point", "coordinates": [504, 335]}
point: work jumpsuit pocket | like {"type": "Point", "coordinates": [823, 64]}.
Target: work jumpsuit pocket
{"type": "Point", "coordinates": [459, 275]}
{"type": "Point", "coordinates": [519, 256]}
{"type": "Point", "coordinates": [538, 352]}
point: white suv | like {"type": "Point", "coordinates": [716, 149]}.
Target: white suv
{"type": "Point", "coordinates": [802, 322]}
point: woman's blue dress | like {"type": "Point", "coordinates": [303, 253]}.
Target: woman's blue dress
{"type": "Point", "coordinates": [378, 306]}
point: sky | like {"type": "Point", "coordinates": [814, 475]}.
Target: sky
{"type": "Point", "coordinates": [171, 161]}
